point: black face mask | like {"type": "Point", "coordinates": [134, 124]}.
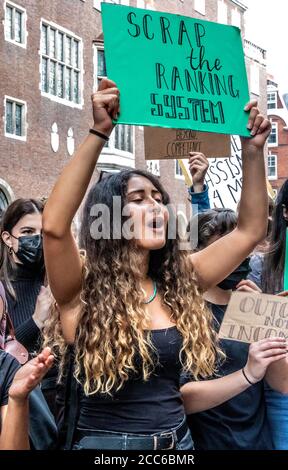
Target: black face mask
{"type": "Point", "coordinates": [30, 250]}
{"type": "Point", "coordinates": [231, 282]}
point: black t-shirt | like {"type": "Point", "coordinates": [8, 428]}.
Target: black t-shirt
{"type": "Point", "coordinates": [8, 368]}
{"type": "Point", "coordinates": [142, 407]}
{"type": "Point", "coordinates": [239, 423]}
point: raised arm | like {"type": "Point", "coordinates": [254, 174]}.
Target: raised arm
{"type": "Point", "coordinates": [15, 416]}
{"type": "Point", "coordinates": [62, 259]}
{"type": "Point", "coordinates": [206, 394]}
{"type": "Point", "coordinates": [218, 260]}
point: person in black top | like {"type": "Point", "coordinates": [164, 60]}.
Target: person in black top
{"type": "Point", "coordinates": [16, 384]}
{"type": "Point", "coordinates": [22, 273]}
{"type": "Point", "coordinates": [241, 422]}
{"type": "Point", "coordinates": [132, 304]}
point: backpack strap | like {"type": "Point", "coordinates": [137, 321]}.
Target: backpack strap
{"type": "Point", "coordinates": [9, 327]}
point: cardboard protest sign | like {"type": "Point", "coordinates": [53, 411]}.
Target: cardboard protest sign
{"type": "Point", "coordinates": [174, 71]}
{"type": "Point", "coordinates": [251, 317]}
{"type": "Point", "coordinates": [177, 143]}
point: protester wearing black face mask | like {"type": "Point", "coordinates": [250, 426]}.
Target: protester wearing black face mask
{"type": "Point", "coordinates": [239, 274]}
{"type": "Point", "coordinates": [22, 273]}
{"type": "Point", "coordinates": [30, 251]}
{"type": "Point", "coordinates": [240, 423]}
{"type": "Point", "coordinates": [22, 269]}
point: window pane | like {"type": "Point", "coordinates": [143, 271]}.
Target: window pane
{"type": "Point", "coordinates": [272, 139]}
{"type": "Point", "coordinates": [44, 77]}
{"type": "Point", "coordinates": [44, 39]}
{"type": "Point", "coordinates": [101, 65]}
{"type": "Point", "coordinates": [68, 51]}
{"type": "Point", "coordinates": [76, 87]}
{"type": "Point", "coordinates": [178, 169]}
{"type": "Point", "coordinates": [118, 137]}
{"type": "Point", "coordinates": [273, 135]}
{"type": "Point", "coordinates": [272, 105]}
{"type": "Point", "coordinates": [18, 26]}
{"type": "Point", "coordinates": [61, 47]}
{"type": "Point", "coordinates": [8, 23]}
{"type": "Point", "coordinates": [60, 74]}
{"type": "Point", "coordinates": [3, 201]}
{"type": "Point", "coordinates": [122, 147]}
{"type": "Point", "coordinates": [129, 141]}
{"type": "Point", "coordinates": [18, 116]}
{"type": "Point", "coordinates": [76, 54]}
{"type": "Point", "coordinates": [52, 43]}
{"type": "Point", "coordinates": [271, 166]}
{"type": "Point", "coordinates": [52, 78]}
{"type": "Point", "coordinates": [9, 117]}
{"type": "Point", "coordinates": [60, 81]}
{"type": "Point", "coordinates": [68, 84]}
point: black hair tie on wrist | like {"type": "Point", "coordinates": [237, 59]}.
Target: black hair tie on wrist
{"type": "Point", "coordinates": [249, 381]}
{"type": "Point", "coordinates": [99, 134]}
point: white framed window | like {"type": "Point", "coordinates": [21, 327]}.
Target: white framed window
{"type": "Point", "coordinates": [6, 195]}
{"type": "Point", "coordinates": [222, 12]}
{"type": "Point", "coordinates": [273, 137]}
{"type": "Point", "coordinates": [99, 64]}
{"type": "Point", "coordinates": [61, 65]}
{"type": "Point", "coordinates": [15, 118]}
{"type": "Point", "coordinates": [15, 24]}
{"type": "Point", "coordinates": [236, 18]}
{"type": "Point", "coordinates": [254, 77]}
{"type": "Point", "coordinates": [199, 5]}
{"type": "Point", "coordinates": [178, 171]}
{"type": "Point", "coordinates": [272, 100]}
{"type": "Point", "coordinates": [97, 3]}
{"type": "Point", "coordinates": [3, 201]}
{"type": "Point", "coordinates": [272, 167]}
{"type": "Point", "coordinates": [122, 138]}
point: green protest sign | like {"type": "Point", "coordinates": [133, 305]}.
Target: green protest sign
{"type": "Point", "coordinates": [174, 71]}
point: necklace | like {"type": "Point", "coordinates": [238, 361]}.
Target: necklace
{"type": "Point", "coordinates": [152, 297]}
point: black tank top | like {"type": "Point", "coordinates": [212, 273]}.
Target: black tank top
{"type": "Point", "coordinates": [141, 407]}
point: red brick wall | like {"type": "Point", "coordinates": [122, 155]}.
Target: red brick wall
{"type": "Point", "coordinates": [281, 151]}
{"type": "Point", "coordinates": [31, 168]}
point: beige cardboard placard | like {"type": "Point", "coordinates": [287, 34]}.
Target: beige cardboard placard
{"type": "Point", "coordinates": [163, 144]}
{"type": "Point", "coordinates": [251, 317]}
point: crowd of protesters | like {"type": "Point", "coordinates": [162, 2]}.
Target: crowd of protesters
{"type": "Point", "coordinates": [112, 341]}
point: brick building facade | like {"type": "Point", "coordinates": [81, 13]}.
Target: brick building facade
{"type": "Point", "coordinates": [278, 140]}
{"type": "Point", "coordinates": [51, 59]}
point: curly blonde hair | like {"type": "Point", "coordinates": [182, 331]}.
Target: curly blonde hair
{"type": "Point", "coordinates": [114, 327]}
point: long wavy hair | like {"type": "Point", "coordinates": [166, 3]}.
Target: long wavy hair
{"type": "Point", "coordinates": [273, 266]}
{"type": "Point", "coordinates": [113, 340]}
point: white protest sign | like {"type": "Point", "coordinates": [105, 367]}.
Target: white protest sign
{"type": "Point", "coordinates": [224, 178]}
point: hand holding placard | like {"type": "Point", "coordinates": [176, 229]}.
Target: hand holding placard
{"type": "Point", "coordinates": [105, 106]}
{"type": "Point", "coordinates": [261, 355]}
{"type": "Point", "coordinates": [259, 126]}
